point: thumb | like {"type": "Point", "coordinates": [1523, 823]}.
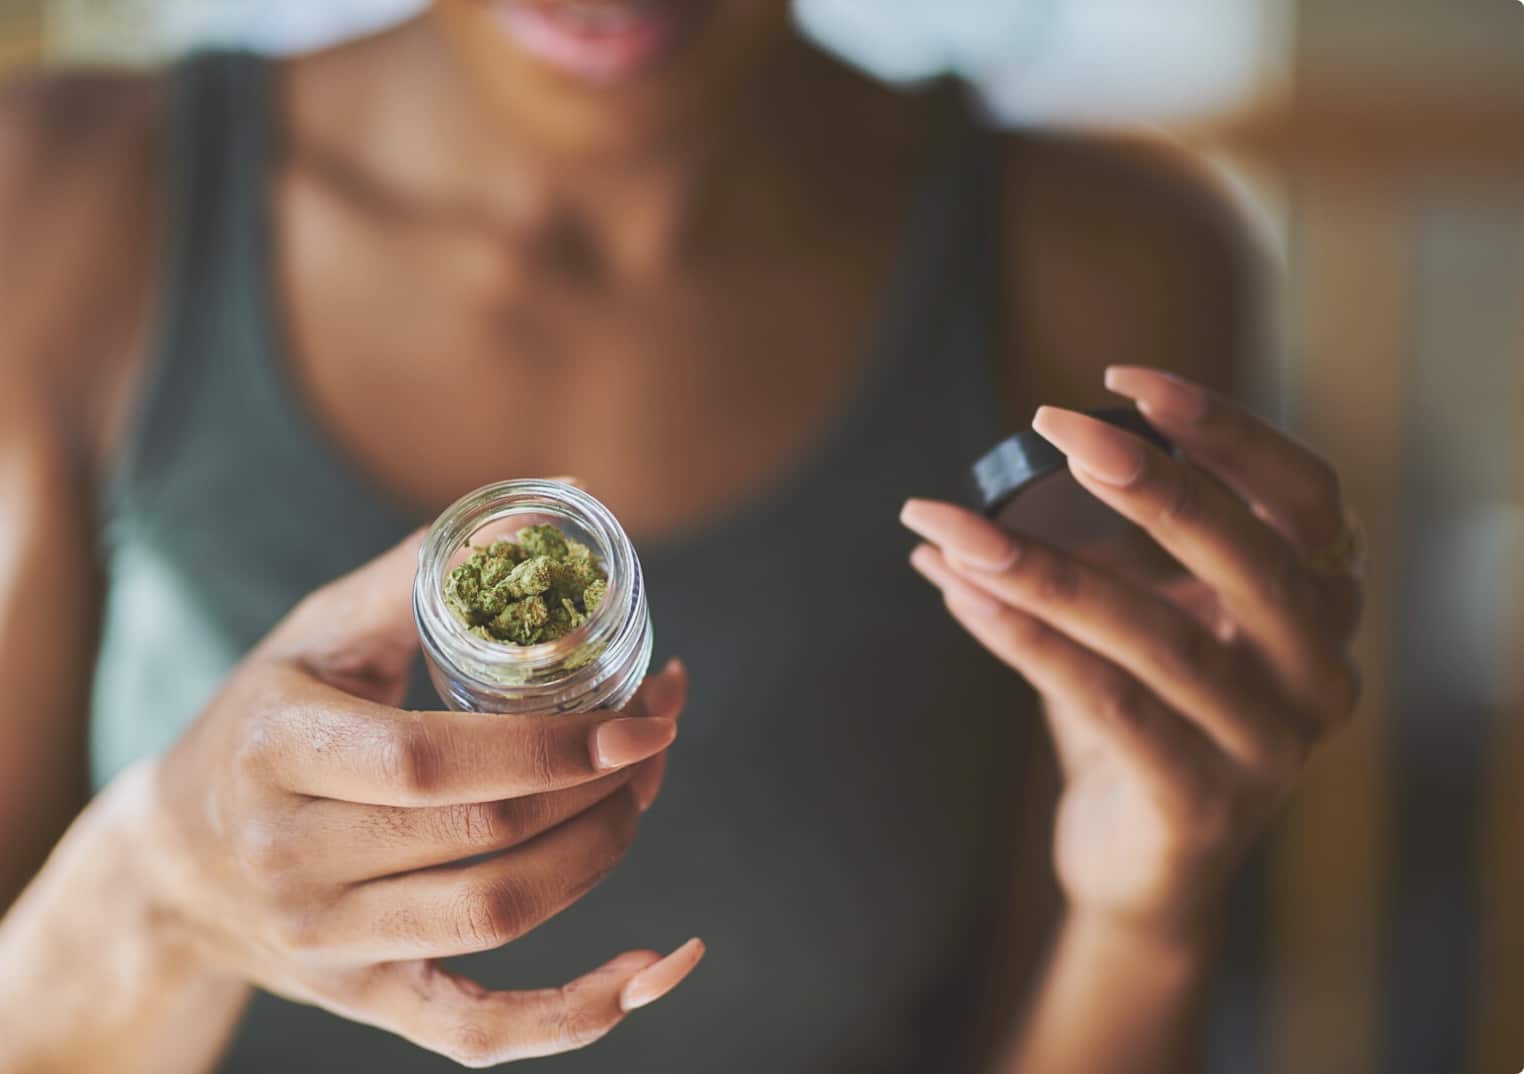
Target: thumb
{"type": "Point", "coordinates": [357, 632]}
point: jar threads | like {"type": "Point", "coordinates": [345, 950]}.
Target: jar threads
{"type": "Point", "coordinates": [599, 665]}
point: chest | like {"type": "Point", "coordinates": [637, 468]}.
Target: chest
{"type": "Point", "coordinates": [439, 356]}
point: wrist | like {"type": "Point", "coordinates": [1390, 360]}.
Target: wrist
{"type": "Point", "coordinates": [1120, 992]}
{"type": "Point", "coordinates": [1184, 939]}
{"type": "Point", "coordinates": [151, 881]}
{"type": "Point", "coordinates": [119, 856]}
{"type": "Point", "coordinates": [97, 956]}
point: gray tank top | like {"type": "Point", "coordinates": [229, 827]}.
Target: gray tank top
{"type": "Point", "coordinates": [831, 806]}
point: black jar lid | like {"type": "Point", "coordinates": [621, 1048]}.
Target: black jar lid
{"type": "Point", "coordinates": [1023, 484]}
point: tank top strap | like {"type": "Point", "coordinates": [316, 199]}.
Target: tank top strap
{"type": "Point", "coordinates": [974, 217]}
{"type": "Point", "coordinates": [941, 334]}
{"type": "Point", "coordinates": [211, 204]}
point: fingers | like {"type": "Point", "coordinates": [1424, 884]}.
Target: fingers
{"type": "Point", "coordinates": [1257, 575]}
{"type": "Point", "coordinates": [664, 695]}
{"type": "Point", "coordinates": [358, 631]}
{"type": "Point", "coordinates": [364, 616]}
{"type": "Point", "coordinates": [1286, 485]}
{"type": "Point", "coordinates": [310, 738]}
{"type": "Point", "coordinates": [1295, 490]}
{"type": "Point", "coordinates": [653, 982]}
{"type": "Point", "coordinates": [1167, 752]}
{"type": "Point", "coordinates": [457, 910]}
{"type": "Point", "coordinates": [457, 1018]}
{"type": "Point", "coordinates": [1160, 645]}
{"type": "Point", "coordinates": [349, 843]}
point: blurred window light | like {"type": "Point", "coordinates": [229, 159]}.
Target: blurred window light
{"type": "Point", "coordinates": [1039, 60]}
{"type": "Point", "coordinates": [1105, 61]}
{"type": "Point", "coordinates": [147, 30]}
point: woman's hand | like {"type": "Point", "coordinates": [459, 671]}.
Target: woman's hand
{"type": "Point", "coordinates": [311, 838]}
{"type": "Point", "coordinates": [1182, 712]}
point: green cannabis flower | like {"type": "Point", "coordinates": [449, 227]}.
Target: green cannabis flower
{"type": "Point", "coordinates": [539, 588]}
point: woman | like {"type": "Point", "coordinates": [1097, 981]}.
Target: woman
{"type": "Point", "coordinates": [755, 302]}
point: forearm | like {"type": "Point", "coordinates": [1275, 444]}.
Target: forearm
{"type": "Point", "coordinates": [1114, 1000]}
{"type": "Point", "coordinates": [94, 979]}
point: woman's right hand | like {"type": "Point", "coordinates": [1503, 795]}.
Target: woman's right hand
{"type": "Point", "coordinates": [308, 836]}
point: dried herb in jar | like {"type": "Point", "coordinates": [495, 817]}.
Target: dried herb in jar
{"type": "Point", "coordinates": [538, 588]}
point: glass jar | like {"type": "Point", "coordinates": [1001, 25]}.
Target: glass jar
{"type": "Point", "coordinates": [599, 665]}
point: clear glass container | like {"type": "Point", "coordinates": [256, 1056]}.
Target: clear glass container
{"type": "Point", "coordinates": [599, 665]}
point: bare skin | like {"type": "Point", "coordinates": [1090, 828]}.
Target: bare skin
{"type": "Point", "coordinates": [689, 286]}
{"type": "Point", "coordinates": [1182, 712]}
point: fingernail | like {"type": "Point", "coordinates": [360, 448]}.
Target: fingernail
{"type": "Point", "coordinates": [631, 959]}
{"type": "Point", "coordinates": [1107, 453]}
{"type": "Point", "coordinates": [972, 539]}
{"type": "Point", "coordinates": [650, 984]}
{"type": "Point", "coordinates": [663, 691]}
{"type": "Point", "coordinates": [568, 479]}
{"type": "Point", "coordinates": [630, 739]}
{"type": "Point", "coordinates": [1158, 394]}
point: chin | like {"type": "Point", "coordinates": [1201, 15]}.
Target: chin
{"type": "Point", "coordinates": [603, 74]}
{"type": "Point", "coordinates": [618, 43]}
{"type": "Point", "coordinates": [601, 42]}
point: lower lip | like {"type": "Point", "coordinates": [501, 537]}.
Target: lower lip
{"type": "Point", "coordinates": [604, 52]}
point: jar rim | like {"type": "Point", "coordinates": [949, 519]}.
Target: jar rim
{"type": "Point", "coordinates": [453, 530]}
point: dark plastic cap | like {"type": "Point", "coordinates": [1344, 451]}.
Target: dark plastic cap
{"type": "Point", "coordinates": [1023, 483]}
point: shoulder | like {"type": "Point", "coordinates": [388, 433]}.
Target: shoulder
{"type": "Point", "coordinates": [1122, 251]}
{"type": "Point", "coordinates": [79, 161]}
{"type": "Point", "coordinates": [64, 135]}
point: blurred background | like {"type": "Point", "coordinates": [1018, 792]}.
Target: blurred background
{"type": "Point", "coordinates": [1376, 147]}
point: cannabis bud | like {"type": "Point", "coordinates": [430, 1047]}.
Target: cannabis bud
{"type": "Point", "coordinates": [538, 588]}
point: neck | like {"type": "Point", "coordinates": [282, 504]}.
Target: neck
{"type": "Point", "coordinates": [638, 191]}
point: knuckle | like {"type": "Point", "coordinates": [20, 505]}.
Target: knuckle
{"type": "Point", "coordinates": [263, 848]}
{"type": "Point", "coordinates": [1121, 701]}
{"type": "Point", "coordinates": [1182, 502]}
{"type": "Point", "coordinates": [299, 931]}
{"type": "Point", "coordinates": [576, 1024]}
{"type": "Point", "coordinates": [1026, 632]}
{"type": "Point", "coordinates": [1057, 580]}
{"type": "Point", "coordinates": [471, 1043]}
{"type": "Point", "coordinates": [479, 824]}
{"type": "Point", "coordinates": [1183, 649]}
{"type": "Point", "coordinates": [492, 915]}
{"type": "Point", "coordinates": [539, 756]}
{"type": "Point", "coordinates": [410, 760]}
{"type": "Point", "coordinates": [256, 747]}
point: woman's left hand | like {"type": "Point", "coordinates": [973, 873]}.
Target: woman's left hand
{"type": "Point", "coordinates": [1183, 712]}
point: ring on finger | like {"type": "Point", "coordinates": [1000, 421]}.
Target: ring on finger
{"type": "Point", "coordinates": [1344, 556]}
